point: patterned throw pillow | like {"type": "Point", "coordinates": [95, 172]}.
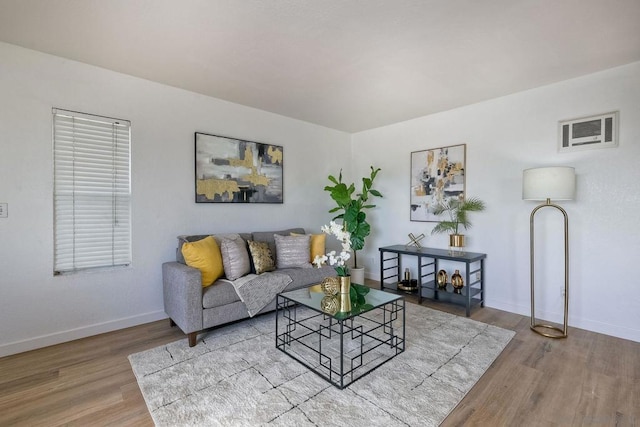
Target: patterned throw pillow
{"type": "Point", "coordinates": [261, 256]}
{"type": "Point", "coordinates": [235, 257]}
{"type": "Point", "coordinates": [293, 251]}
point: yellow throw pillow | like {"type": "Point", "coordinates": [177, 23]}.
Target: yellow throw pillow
{"type": "Point", "coordinates": [318, 243]}
{"type": "Point", "coordinates": [205, 256]}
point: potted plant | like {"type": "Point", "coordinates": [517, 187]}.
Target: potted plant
{"type": "Point", "coordinates": [457, 210]}
{"type": "Point", "coordinates": [351, 207]}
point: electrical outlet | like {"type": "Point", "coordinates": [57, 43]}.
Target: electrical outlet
{"type": "Point", "coordinates": [4, 210]}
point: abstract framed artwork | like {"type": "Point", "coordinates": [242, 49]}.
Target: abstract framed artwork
{"type": "Point", "coordinates": [232, 170]}
{"type": "Point", "coordinates": [437, 175]}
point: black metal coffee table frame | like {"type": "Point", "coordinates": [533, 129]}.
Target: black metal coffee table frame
{"type": "Point", "coordinates": [376, 335]}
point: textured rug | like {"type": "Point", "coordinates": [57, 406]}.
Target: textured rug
{"type": "Point", "coordinates": [236, 377]}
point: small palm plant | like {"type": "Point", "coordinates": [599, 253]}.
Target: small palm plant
{"type": "Point", "coordinates": [457, 210]}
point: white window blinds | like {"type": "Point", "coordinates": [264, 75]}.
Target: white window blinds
{"type": "Point", "coordinates": [92, 191]}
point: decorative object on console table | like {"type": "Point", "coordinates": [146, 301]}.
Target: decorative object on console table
{"type": "Point", "coordinates": [408, 284]}
{"type": "Point", "coordinates": [457, 210]}
{"type": "Point", "coordinates": [547, 183]}
{"type": "Point", "coordinates": [231, 170]}
{"type": "Point", "coordinates": [437, 175]}
{"type": "Point", "coordinates": [415, 241]}
{"type": "Point", "coordinates": [457, 282]}
{"type": "Point", "coordinates": [442, 279]}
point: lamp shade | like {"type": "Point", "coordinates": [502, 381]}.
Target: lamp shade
{"type": "Point", "coordinates": [556, 183]}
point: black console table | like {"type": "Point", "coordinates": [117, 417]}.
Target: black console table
{"type": "Point", "coordinates": [428, 258]}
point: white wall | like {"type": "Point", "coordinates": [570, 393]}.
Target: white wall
{"type": "Point", "coordinates": [37, 309]}
{"type": "Point", "coordinates": [503, 137]}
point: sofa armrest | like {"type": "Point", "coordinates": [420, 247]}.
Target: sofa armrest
{"type": "Point", "coordinates": [182, 291]}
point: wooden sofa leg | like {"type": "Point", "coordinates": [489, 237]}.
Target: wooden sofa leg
{"type": "Point", "coordinates": [192, 338]}
{"type": "Point", "coordinates": [171, 322]}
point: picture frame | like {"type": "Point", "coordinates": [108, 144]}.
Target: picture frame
{"type": "Point", "coordinates": [437, 174]}
{"type": "Point", "coordinates": [232, 170]}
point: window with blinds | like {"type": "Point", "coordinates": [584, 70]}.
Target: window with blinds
{"type": "Point", "coordinates": [92, 191]}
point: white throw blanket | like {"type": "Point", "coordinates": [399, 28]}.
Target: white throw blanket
{"type": "Point", "coordinates": [256, 291]}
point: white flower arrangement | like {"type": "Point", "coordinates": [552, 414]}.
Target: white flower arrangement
{"type": "Point", "coordinates": [337, 261]}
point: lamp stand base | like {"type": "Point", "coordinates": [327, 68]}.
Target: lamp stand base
{"type": "Point", "coordinates": [535, 328]}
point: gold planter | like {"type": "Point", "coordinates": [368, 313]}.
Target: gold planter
{"type": "Point", "coordinates": [456, 240]}
{"type": "Point", "coordinates": [456, 244]}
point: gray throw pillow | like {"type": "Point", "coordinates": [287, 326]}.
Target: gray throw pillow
{"type": "Point", "coordinates": [235, 257]}
{"type": "Point", "coordinates": [292, 251]}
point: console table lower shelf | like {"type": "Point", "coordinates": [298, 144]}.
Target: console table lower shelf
{"type": "Point", "coordinates": [429, 262]}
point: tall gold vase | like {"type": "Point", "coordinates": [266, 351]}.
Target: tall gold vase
{"type": "Point", "coordinates": [345, 293]}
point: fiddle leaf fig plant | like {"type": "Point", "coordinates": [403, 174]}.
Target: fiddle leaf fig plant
{"type": "Point", "coordinates": [456, 210]}
{"type": "Point", "coordinates": [352, 205]}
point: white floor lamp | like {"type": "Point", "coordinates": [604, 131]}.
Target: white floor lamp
{"type": "Point", "coordinates": [549, 183]}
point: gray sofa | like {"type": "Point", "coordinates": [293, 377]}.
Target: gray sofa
{"type": "Point", "coordinates": [194, 308]}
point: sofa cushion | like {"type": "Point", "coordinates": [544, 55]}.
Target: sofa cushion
{"type": "Point", "coordinates": [261, 257]}
{"type": "Point", "coordinates": [222, 293]}
{"type": "Point", "coordinates": [292, 251]}
{"type": "Point", "coordinates": [305, 277]}
{"type": "Point", "coordinates": [205, 256]}
{"type": "Point", "coordinates": [235, 257]}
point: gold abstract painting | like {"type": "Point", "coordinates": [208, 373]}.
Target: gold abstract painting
{"type": "Point", "coordinates": [232, 170]}
{"type": "Point", "coordinates": [437, 175]}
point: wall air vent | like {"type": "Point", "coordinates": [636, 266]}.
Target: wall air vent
{"type": "Point", "coordinates": [586, 133]}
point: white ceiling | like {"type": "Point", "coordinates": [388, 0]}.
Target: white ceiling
{"type": "Point", "coordinates": [346, 64]}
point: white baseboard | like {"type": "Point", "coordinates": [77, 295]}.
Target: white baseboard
{"type": "Point", "coordinates": [618, 331]}
{"type": "Point", "coordinates": [74, 334]}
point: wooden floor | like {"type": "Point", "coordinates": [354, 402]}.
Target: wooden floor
{"type": "Point", "coordinates": [587, 379]}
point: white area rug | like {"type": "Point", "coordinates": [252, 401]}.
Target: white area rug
{"type": "Point", "coordinates": [235, 376]}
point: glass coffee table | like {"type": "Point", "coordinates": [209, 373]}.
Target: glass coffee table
{"type": "Point", "coordinates": [340, 340]}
